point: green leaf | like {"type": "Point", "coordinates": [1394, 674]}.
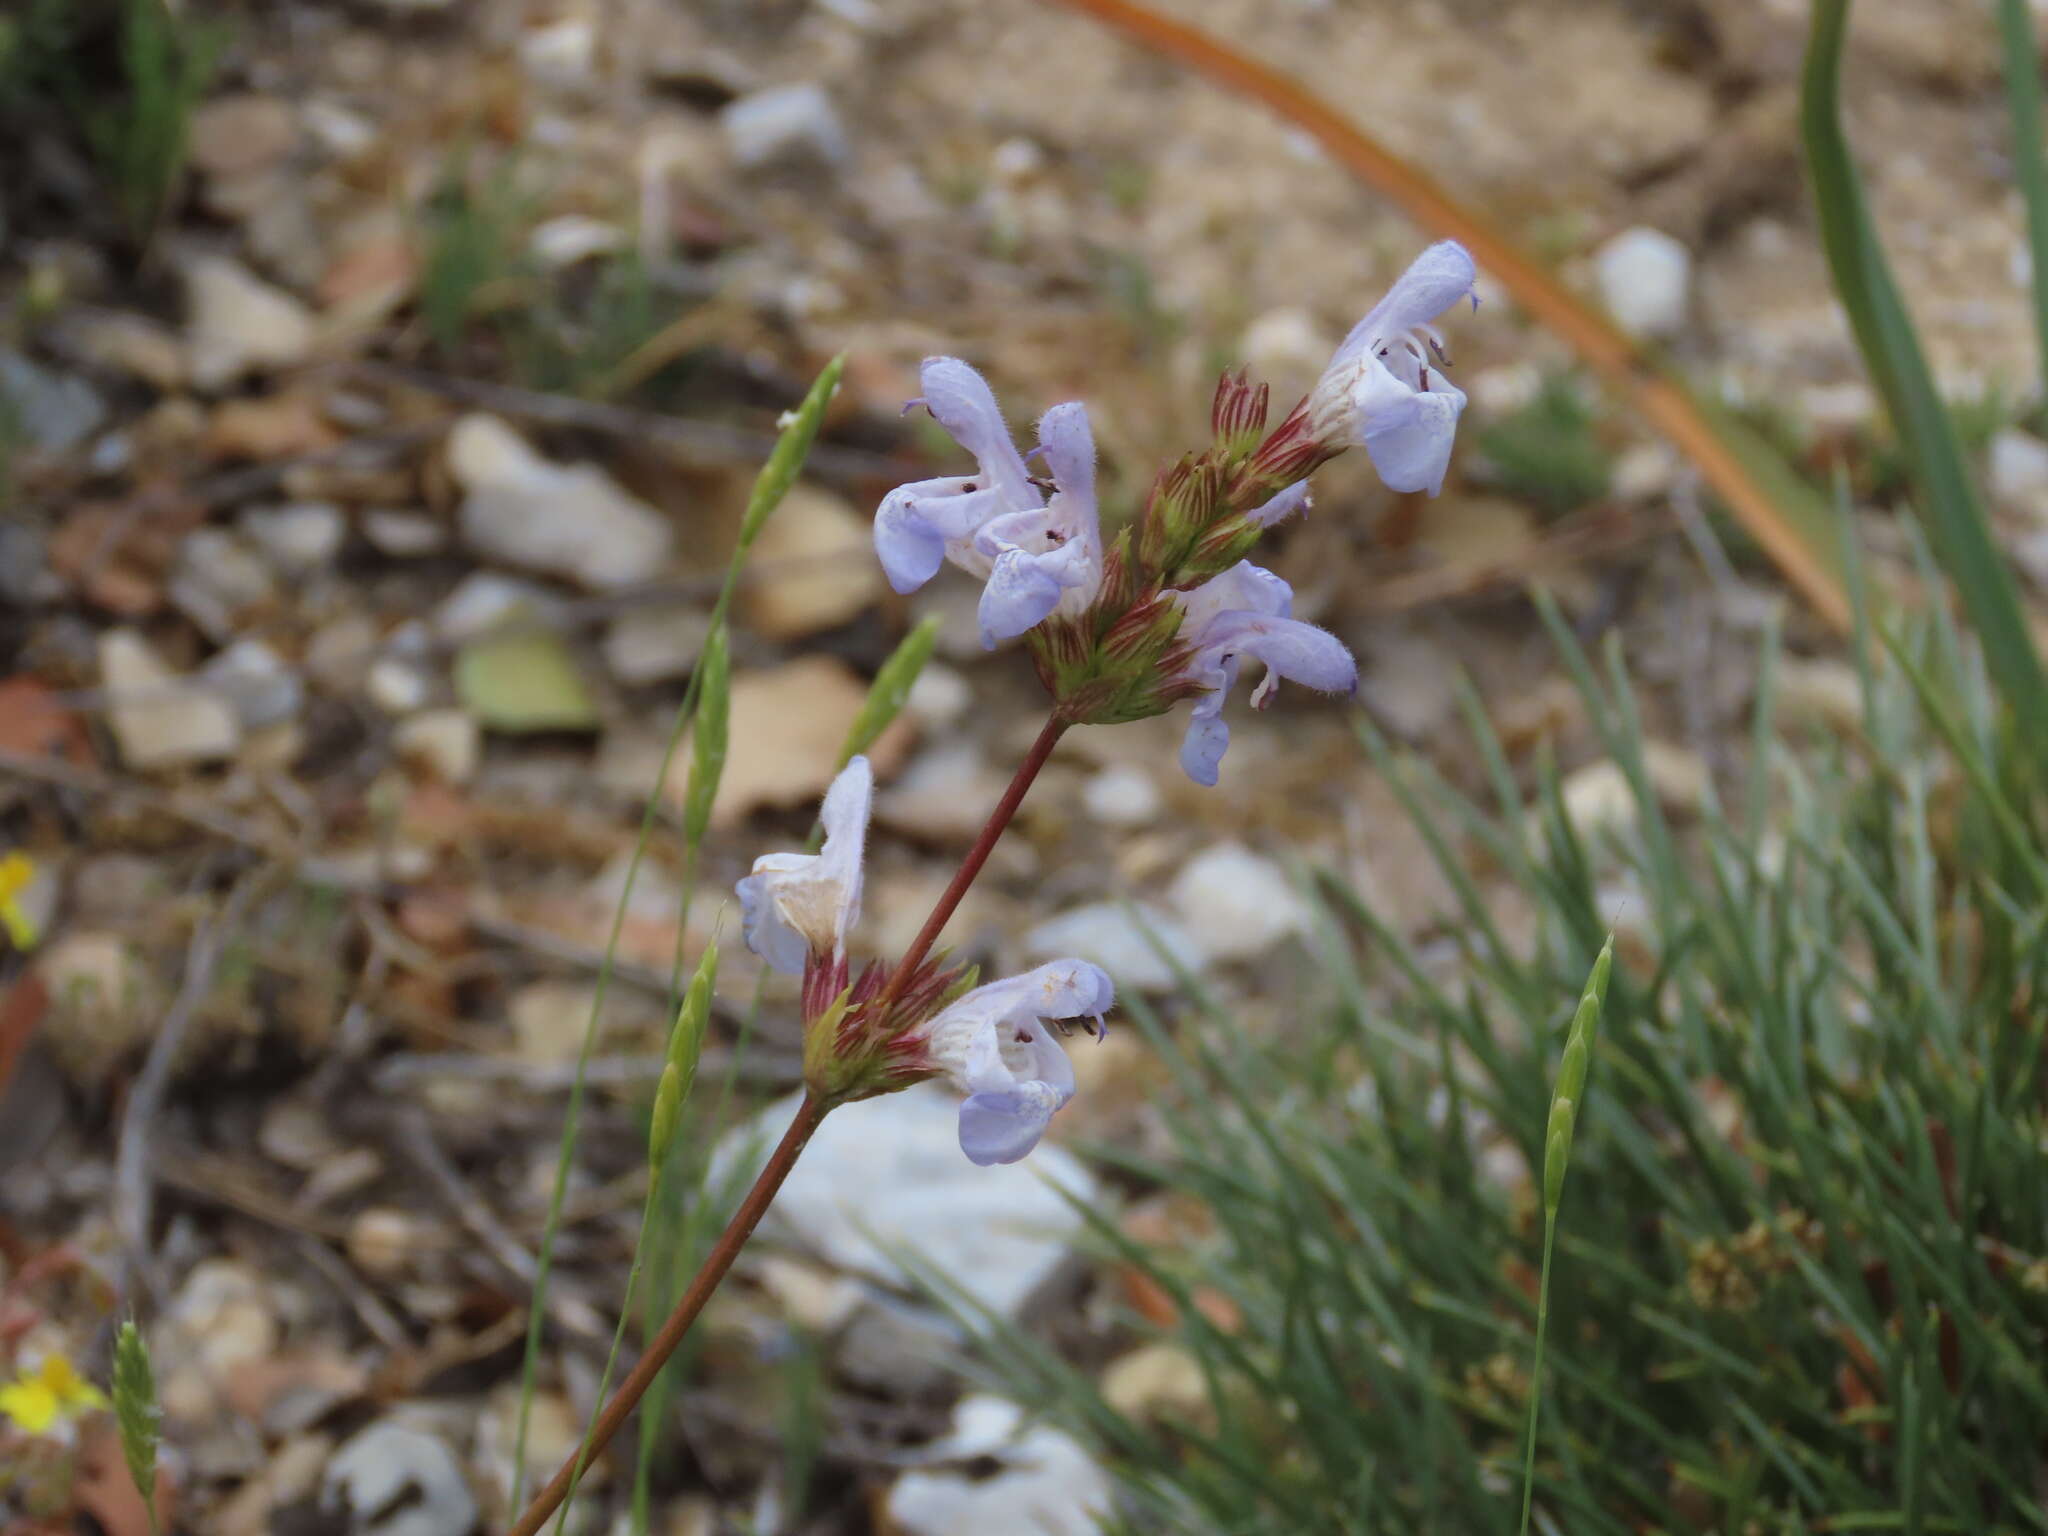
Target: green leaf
{"type": "Point", "coordinates": [1956, 522]}
{"type": "Point", "coordinates": [136, 1413]}
{"type": "Point", "coordinates": [2023, 95]}
{"type": "Point", "coordinates": [891, 688]}
{"type": "Point", "coordinates": [799, 431]}
{"type": "Point", "coordinates": [710, 736]}
{"type": "Point", "coordinates": [523, 680]}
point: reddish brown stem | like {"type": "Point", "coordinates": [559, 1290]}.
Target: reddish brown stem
{"type": "Point", "coordinates": [808, 1114]}
{"type": "Point", "coordinates": [664, 1343]}
{"type": "Point", "coordinates": [963, 877]}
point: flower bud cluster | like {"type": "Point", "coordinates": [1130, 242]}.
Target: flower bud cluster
{"type": "Point", "coordinates": [869, 1031]}
{"type": "Point", "coordinates": [1166, 611]}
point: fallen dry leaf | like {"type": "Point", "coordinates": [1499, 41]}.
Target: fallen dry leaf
{"type": "Point", "coordinates": [282, 426]}
{"type": "Point", "coordinates": [102, 1488]}
{"type": "Point", "coordinates": [34, 724]}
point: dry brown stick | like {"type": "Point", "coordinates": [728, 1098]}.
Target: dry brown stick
{"type": "Point", "coordinates": [712, 440]}
{"type": "Point", "coordinates": [134, 1171]}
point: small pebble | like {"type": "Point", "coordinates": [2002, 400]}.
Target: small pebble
{"type": "Point", "coordinates": [396, 687]}
{"type": "Point", "coordinates": [783, 120]}
{"type": "Point", "coordinates": [1645, 281]}
{"type": "Point", "coordinates": [1122, 795]}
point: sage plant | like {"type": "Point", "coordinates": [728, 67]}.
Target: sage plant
{"type": "Point", "coordinates": [1165, 614]}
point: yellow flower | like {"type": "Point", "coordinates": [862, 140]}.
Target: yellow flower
{"type": "Point", "coordinates": [16, 871]}
{"type": "Point", "coordinates": [37, 1400]}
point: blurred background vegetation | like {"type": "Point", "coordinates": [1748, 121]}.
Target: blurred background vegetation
{"type": "Point", "coordinates": [382, 389]}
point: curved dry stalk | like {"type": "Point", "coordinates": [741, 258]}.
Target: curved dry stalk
{"type": "Point", "coordinates": [1802, 554]}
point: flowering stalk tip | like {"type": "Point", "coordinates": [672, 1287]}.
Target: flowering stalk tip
{"type": "Point", "coordinates": [1386, 389]}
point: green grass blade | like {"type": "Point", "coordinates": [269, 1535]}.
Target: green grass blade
{"type": "Point", "coordinates": [785, 461]}
{"type": "Point", "coordinates": [1957, 523]}
{"type": "Point", "coordinates": [2030, 167]}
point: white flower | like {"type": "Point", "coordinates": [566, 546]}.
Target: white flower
{"type": "Point", "coordinates": [1380, 389]}
{"type": "Point", "coordinates": [996, 1047]}
{"type": "Point", "coordinates": [797, 904]}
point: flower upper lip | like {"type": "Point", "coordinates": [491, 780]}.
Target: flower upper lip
{"type": "Point", "coordinates": [797, 904]}
{"type": "Point", "coordinates": [1379, 389]}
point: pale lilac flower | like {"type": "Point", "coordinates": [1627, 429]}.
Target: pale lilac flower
{"type": "Point", "coordinates": [797, 904]}
{"type": "Point", "coordinates": [1244, 612]}
{"type": "Point", "coordinates": [998, 1048]}
{"type": "Point", "coordinates": [1380, 389]}
{"type": "Point", "coordinates": [1046, 560]}
{"type": "Point", "coordinates": [997, 524]}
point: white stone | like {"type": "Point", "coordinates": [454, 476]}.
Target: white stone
{"type": "Point", "coordinates": [2019, 472]}
{"type": "Point", "coordinates": [1016, 159]}
{"type": "Point", "coordinates": [1822, 691]}
{"type": "Point", "coordinates": [943, 796]}
{"type": "Point", "coordinates": [1506, 388]}
{"type": "Point", "coordinates": [1598, 800]}
{"type": "Point", "coordinates": [403, 535]}
{"type": "Point", "coordinates": [1286, 343]}
{"type": "Point", "coordinates": [1122, 795]}
{"type": "Point", "coordinates": [1236, 903]}
{"type": "Point", "coordinates": [783, 120]}
{"type": "Point", "coordinates": [393, 1480]}
{"type": "Point", "coordinates": [256, 683]}
{"type": "Point", "coordinates": [446, 742]}
{"type": "Point", "coordinates": [396, 687]}
{"type": "Point", "coordinates": [1645, 281]}
{"type": "Point", "coordinates": [1046, 1484]}
{"type": "Point", "coordinates": [1643, 472]}
{"type": "Point", "coordinates": [562, 242]}
{"type": "Point", "coordinates": [239, 323]}
{"type": "Point", "coordinates": [160, 719]}
{"type": "Point", "coordinates": [340, 132]}
{"type": "Point", "coordinates": [1841, 407]}
{"type": "Point", "coordinates": [565, 520]}
{"type": "Point", "coordinates": [939, 696]}
{"type": "Point", "coordinates": [562, 55]}
{"type": "Point", "coordinates": [651, 645]}
{"type": "Point", "coordinates": [885, 1177]}
{"type": "Point", "coordinates": [218, 575]}
{"type": "Point", "coordinates": [298, 539]}
{"type": "Point", "coordinates": [1126, 942]}
{"type": "Point", "coordinates": [483, 600]}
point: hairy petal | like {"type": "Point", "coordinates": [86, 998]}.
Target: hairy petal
{"type": "Point", "coordinates": [1434, 281]}
{"type": "Point", "coordinates": [793, 904]}
{"type": "Point", "coordinates": [1004, 1124]}
{"type": "Point", "coordinates": [995, 1046]}
{"type": "Point", "coordinates": [919, 524]}
{"type": "Point", "coordinates": [961, 401]}
{"type": "Point", "coordinates": [1409, 439]}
